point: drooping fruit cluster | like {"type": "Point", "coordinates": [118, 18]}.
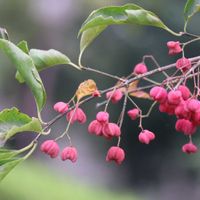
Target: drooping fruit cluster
{"type": "Point", "coordinates": [102, 127]}
{"type": "Point", "coordinates": [172, 95]}
{"type": "Point", "coordinates": [181, 104]}
{"type": "Point", "coordinates": [51, 148]}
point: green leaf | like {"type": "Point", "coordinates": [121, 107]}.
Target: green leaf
{"type": "Point", "coordinates": [6, 153]}
{"type": "Point", "coordinates": [12, 122]}
{"type": "Point", "coordinates": [9, 158]}
{"type": "Point", "coordinates": [89, 35]}
{"type": "Point", "coordinates": [7, 165]}
{"type": "Point", "coordinates": [190, 9]}
{"type": "Point", "coordinates": [100, 19]}
{"type": "Point", "coordinates": [23, 45]}
{"type": "Point", "coordinates": [44, 59]}
{"type": "Point", "coordinates": [27, 70]}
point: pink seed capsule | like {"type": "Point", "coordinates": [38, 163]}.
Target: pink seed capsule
{"type": "Point", "coordinates": [146, 136]}
{"type": "Point", "coordinates": [185, 126]}
{"type": "Point", "coordinates": [189, 148]}
{"type": "Point", "coordinates": [193, 105]}
{"type": "Point", "coordinates": [114, 95]}
{"type": "Point", "coordinates": [140, 68]}
{"type": "Point", "coordinates": [95, 127]}
{"type": "Point", "coordinates": [133, 113]}
{"type": "Point", "coordinates": [181, 111]}
{"type": "Point", "coordinates": [183, 64]}
{"type": "Point", "coordinates": [111, 130]}
{"type": "Point", "coordinates": [79, 116]}
{"type": "Point", "coordinates": [69, 153]}
{"type": "Point", "coordinates": [60, 107]}
{"type": "Point", "coordinates": [174, 47]}
{"type": "Point", "coordinates": [167, 108]}
{"type": "Point", "coordinates": [184, 91]}
{"type": "Point", "coordinates": [50, 147]}
{"type": "Point", "coordinates": [102, 117]}
{"type": "Point", "coordinates": [116, 154]}
{"type": "Point", "coordinates": [158, 94]}
{"type": "Point", "coordinates": [143, 138]}
{"type": "Point", "coordinates": [174, 97]}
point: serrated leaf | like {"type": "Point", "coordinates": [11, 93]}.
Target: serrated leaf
{"type": "Point", "coordinates": [44, 59]}
{"type": "Point", "coordinates": [86, 88]}
{"type": "Point", "coordinates": [27, 70]}
{"type": "Point", "coordinates": [191, 7]}
{"type": "Point", "coordinates": [100, 19]}
{"type": "Point", "coordinates": [12, 122]}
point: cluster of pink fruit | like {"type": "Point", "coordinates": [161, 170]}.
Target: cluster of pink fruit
{"type": "Point", "coordinates": [186, 108]}
{"type": "Point", "coordinates": [183, 63]}
{"type": "Point", "coordinates": [101, 126]}
{"type": "Point", "coordinates": [51, 148]}
{"type": "Point", "coordinates": [179, 102]}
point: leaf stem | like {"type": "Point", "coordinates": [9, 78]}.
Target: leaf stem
{"type": "Point", "coordinates": [103, 73]}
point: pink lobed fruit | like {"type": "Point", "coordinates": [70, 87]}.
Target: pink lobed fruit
{"type": "Point", "coordinates": [111, 130]}
{"type": "Point", "coordinates": [116, 154]}
{"type": "Point", "coordinates": [50, 147]}
{"type": "Point", "coordinates": [69, 153]}
{"type": "Point", "coordinates": [133, 113]}
{"type": "Point", "coordinates": [174, 47]}
{"type": "Point", "coordinates": [174, 97]}
{"type": "Point", "coordinates": [185, 126]}
{"type": "Point", "coordinates": [60, 107]}
{"type": "Point", "coordinates": [146, 136]}
{"type": "Point", "coordinates": [140, 68]}
{"type": "Point", "coordinates": [95, 127]}
{"type": "Point", "coordinates": [102, 117]}
{"type": "Point", "coordinates": [167, 108]}
{"type": "Point", "coordinates": [114, 95]}
{"type": "Point", "coordinates": [189, 148]}
{"type": "Point", "coordinates": [184, 91]}
{"type": "Point", "coordinates": [158, 94]}
{"type": "Point", "coordinates": [79, 116]}
{"type": "Point", "coordinates": [193, 105]}
{"type": "Point", "coordinates": [183, 64]}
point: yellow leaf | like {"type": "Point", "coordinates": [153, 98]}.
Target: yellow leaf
{"type": "Point", "coordinates": [139, 94]}
{"type": "Point", "coordinates": [86, 88]}
{"type": "Point", "coordinates": [133, 85]}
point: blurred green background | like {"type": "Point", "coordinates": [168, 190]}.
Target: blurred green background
{"type": "Point", "coordinates": [158, 171]}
